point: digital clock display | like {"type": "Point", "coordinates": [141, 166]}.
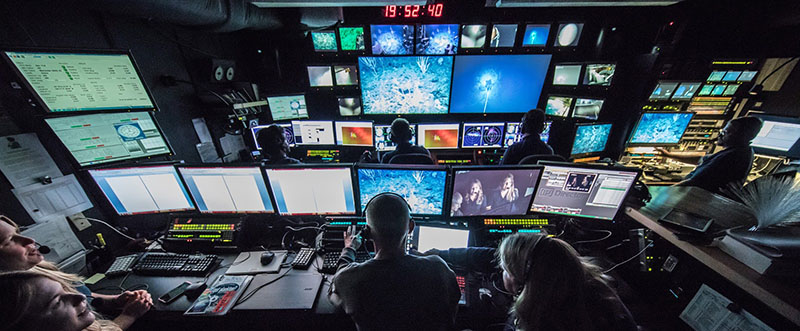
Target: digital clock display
{"type": "Point", "coordinates": [412, 11]}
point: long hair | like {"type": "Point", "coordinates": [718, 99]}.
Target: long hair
{"type": "Point", "coordinates": [479, 200]}
{"type": "Point", "coordinates": [556, 282]}
{"type": "Point", "coordinates": [45, 267]}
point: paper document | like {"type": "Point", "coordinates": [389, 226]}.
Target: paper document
{"type": "Point", "coordinates": [201, 129]}
{"type": "Point", "coordinates": [231, 145]}
{"type": "Point", "coordinates": [56, 234]}
{"type": "Point", "coordinates": [24, 160]}
{"type": "Point", "coordinates": [708, 311]}
{"type": "Point", "coordinates": [62, 198]}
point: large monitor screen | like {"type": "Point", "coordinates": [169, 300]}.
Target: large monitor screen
{"type": "Point", "coordinates": [392, 39]}
{"type": "Point", "coordinates": [513, 134]}
{"type": "Point", "coordinates": [587, 108]}
{"type": "Point", "coordinates": [313, 191]}
{"type": "Point", "coordinates": [663, 90]}
{"type": "Point", "coordinates": [383, 140]}
{"type": "Point", "coordinates": [82, 81]}
{"type": "Point", "coordinates": [599, 74]}
{"type": "Point", "coordinates": [422, 187]}
{"type": "Point", "coordinates": [354, 133]}
{"type": "Point", "coordinates": [590, 139]}
{"type": "Point", "coordinates": [102, 138]}
{"type": "Point", "coordinates": [583, 191]}
{"type": "Point", "coordinates": [779, 136]}
{"type": "Point", "coordinates": [567, 74]}
{"type": "Point", "coordinates": [493, 190]}
{"type": "Point", "coordinates": [438, 136]}
{"type": "Point", "coordinates": [143, 190]}
{"type": "Point", "coordinates": [227, 189]}
{"type": "Point", "coordinates": [313, 132]}
{"type": "Point", "coordinates": [482, 135]}
{"type": "Point", "coordinates": [426, 238]}
{"type": "Point", "coordinates": [437, 39]}
{"type": "Point", "coordinates": [661, 128]}
{"type": "Point", "coordinates": [498, 83]}
{"type": "Point", "coordinates": [287, 132]}
{"type": "Point", "coordinates": [288, 107]}
{"type": "Point", "coordinates": [405, 84]}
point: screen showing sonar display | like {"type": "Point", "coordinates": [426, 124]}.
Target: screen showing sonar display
{"type": "Point", "coordinates": [482, 135]}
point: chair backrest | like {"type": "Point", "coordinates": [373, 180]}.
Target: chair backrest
{"type": "Point", "coordinates": [413, 158]}
{"type": "Point", "coordinates": [533, 159]}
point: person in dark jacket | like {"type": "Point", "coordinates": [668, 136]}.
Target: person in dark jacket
{"type": "Point", "coordinates": [401, 135]}
{"type": "Point", "coordinates": [274, 146]}
{"type": "Point", "coordinates": [531, 126]}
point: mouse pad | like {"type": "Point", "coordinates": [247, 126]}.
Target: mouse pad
{"type": "Point", "coordinates": [249, 263]}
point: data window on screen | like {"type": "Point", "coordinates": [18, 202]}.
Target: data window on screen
{"type": "Point", "coordinates": [228, 189]}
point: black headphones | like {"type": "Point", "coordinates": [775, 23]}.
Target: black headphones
{"type": "Point", "coordinates": [365, 232]}
{"type": "Point", "coordinates": [529, 262]}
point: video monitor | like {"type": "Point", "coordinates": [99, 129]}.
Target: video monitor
{"type": "Point", "coordinates": [663, 90]}
{"type": "Point", "coordinates": [313, 132]}
{"type": "Point", "coordinates": [498, 83]}
{"type": "Point", "coordinates": [427, 237]}
{"type": "Point", "coordinates": [567, 74]}
{"type": "Point", "coordinates": [568, 34]}
{"type": "Point", "coordinates": [143, 190]}
{"type": "Point", "coordinates": [320, 76]}
{"type": "Point", "coordinates": [716, 76]}
{"type": "Point", "coordinates": [287, 132]}
{"type": "Point", "coordinates": [345, 75]}
{"type": "Point", "coordinates": [352, 38]}
{"type": "Point", "coordinates": [590, 139]}
{"type": "Point", "coordinates": [287, 107]}
{"type": "Point", "coordinates": [473, 35]}
{"type": "Point", "coordinates": [317, 190]}
{"type": "Point", "coordinates": [503, 35]}
{"type": "Point", "coordinates": [438, 136]}
{"type": "Point", "coordinates": [513, 134]}
{"type": "Point", "coordinates": [747, 76]}
{"type": "Point", "coordinates": [495, 190]}
{"type": "Point", "coordinates": [324, 41]}
{"type": "Point", "coordinates": [705, 90]}
{"type": "Point", "coordinates": [423, 187]}
{"type": "Point", "coordinates": [67, 81]}
{"type": "Point", "coordinates": [392, 39]}
{"type": "Point", "coordinates": [227, 189]}
{"type": "Point", "coordinates": [731, 76]}
{"type": "Point", "coordinates": [587, 108]}
{"type": "Point", "coordinates": [685, 91]}
{"type": "Point", "coordinates": [582, 190]}
{"type": "Point", "coordinates": [354, 133]}
{"type": "Point", "coordinates": [405, 84]}
{"type": "Point", "coordinates": [779, 136]}
{"type": "Point", "coordinates": [349, 106]}
{"type": "Point", "coordinates": [482, 135]}
{"type": "Point", "coordinates": [718, 90]}
{"type": "Point", "coordinates": [661, 128]}
{"type": "Point", "coordinates": [730, 90]}
{"type": "Point", "coordinates": [599, 74]}
{"type": "Point", "coordinates": [383, 140]}
{"type": "Point", "coordinates": [109, 137]}
{"type": "Point", "coordinates": [437, 39]}
{"type": "Point", "coordinates": [559, 106]}
{"type": "Point", "coordinates": [536, 35]}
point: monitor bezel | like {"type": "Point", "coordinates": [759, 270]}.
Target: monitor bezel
{"type": "Point", "coordinates": [502, 135]}
{"type": "Point", "coordinates": [546, 42]}
{"type": "Point", "coordinates": [667, 98]}
{"type": "Point", "coordinates": [452, 185]}
{"type": "Point", "coordinates": [286, 95]}
{"type": "Point", "coordinates": [178, 168]}
{"type": "Point", "coordinates": [349, 166]}
{"type": "Point", "coordinates": [110, 205]}
{"type": "Point", "coordinates": [333, 128]}
{"type": "Point", "coordinates": [582, 155]}
{"type": "Point", "coordinates": [636, 126]}
{"type": "Point", "coordinates": [569, 111]}
{"type": "Point", "coordinates": [781, 119]}
{"type": "Point", "coordinates": [448, 179]}
{"type": "Point", "coordinates": [336, 133]}
{"type": "Point", "coordinates": [416, 37]}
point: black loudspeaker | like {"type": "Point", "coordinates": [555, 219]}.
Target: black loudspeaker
{"type": "Point", "coordinates": [218, 70]}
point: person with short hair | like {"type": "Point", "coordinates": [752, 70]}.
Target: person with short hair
{"type": "Point", "coordinates": [401, 135]}
{"type": "Point", "coordinates": [274, 146]}
{"type": "Point", "coordinates": [531, 125]}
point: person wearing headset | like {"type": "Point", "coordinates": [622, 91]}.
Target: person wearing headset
{"type": "Point", "coordinates": [394, 290]}
{"type": "Point", "coordinates": [274, 146]}
{"type": "Point", "coordinates": [401, 135]}
{"type": "Point", "coordinates": [553, 287]}
{"type": "Point", "coordinates": [531, 125]}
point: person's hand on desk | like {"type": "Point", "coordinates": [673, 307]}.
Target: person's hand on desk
{"type": "Point", "coordinates": [137, 303]}
{"type": "Point", "coordinates": [352, 238]}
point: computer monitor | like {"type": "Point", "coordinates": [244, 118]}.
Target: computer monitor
{"type": "Point", "coordinates": [473, 35]}
{"type": "Point", "coordinates": [536, 35]}
{"type": "Point", "coordinates": [426, 237]}
{"type": "Point", "coordinates": [349, 106]}
{"type": "Point", "coordinates": [287, 107]}
{"type": "Point", "coordinates": [716, 76]}
{"type": "Point", "coordinates": [345, 75]}
{"type": "Point", "coordinates": [423, 187]}
{"type": "Point", "coordinates": [287, 132]}
{"type": "Point", "coordinates": [567, 74]}
{"type": "Point", "coordinates": [392, 39]}
{"type": "Point", "coordinates": [437, 39]}
{"type": "Point", "coordinates": [405, 84]}
{"type": "Point", "coordinates": [324, 41]}
{"type": "Point", "coordinates": [383, 135]}
{"type": "Point", "coordinates": [660, 128]}
{"type": "Point", "coordinates": [313, 132]}
{"type": "Point", "coordinates": [438, 136]}
{"type": "Point", "coordinates": [352, 38]}
{"type": "Point", "coordinates": [599, 74]}
{"type": "Point", "coordinates": [587, 108]}
{"type": "Point", "coordinates": [482, 135]}
{"type": "Point", "coordinates": [779, 136]}
{"type": "Point", "coordinates": [663, 90]}
{"type": "Point", "coordinates": [730, 90]}
{"type": "Point", "coordinates": [590, 139]}
{"type": "Point", "coordinates": [354, 133]}
{"type": "Point", "coordinates": [705, 90]}
{"type": "Point", "coordinates": [503, 35]}
{"type": "Point", "coordinates": [718, 89]}
{"type": "Point", "coordinates": [313, 190]}
{"type": "Point", "coordinates": [227, 190]}
{"type": "Point", "coordinates": [731, 76]}
{"type": "Point", "coordinates": [569, 34]}
{"type": "Point", "coordinates": [320, 76]}
{"type": "Point", "coordinates": [581, 190]}
{"type": "Point", "coordinates": [109, 137]}
{"type": "Point", "coordinates": [143, 190]}
{"type": "Point", "coordinates": [747, 76]}
{"type": "Point", "coordinates": [498, 83]}
{"type": "Point", "coordinates": [66, 81]}
{"type": "Point", "coordinates": [559, 106]}
{"type": "Point", "coordinates": [493, 190]}
{"type": "Point", "coordinates": [513, 133]}
{"type": "Point", "coordinates": [686, 90]}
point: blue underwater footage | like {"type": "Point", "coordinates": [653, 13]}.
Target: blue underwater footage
{"type": "Point", "coordinates": [423, 189]}
{"type": "Point", "coordinates": [406, 84]}
{"type": "Point", "coordinates": [661, 128]}
{"type": "Point", "coordinates": [392, 39]}
{"type": "Point", "coordinates": [437, 39]}
{"type": "Point", "coordinates": [591, 138]}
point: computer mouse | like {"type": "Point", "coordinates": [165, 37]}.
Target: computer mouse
{"type": "Point", "coordinates": [267, 257]}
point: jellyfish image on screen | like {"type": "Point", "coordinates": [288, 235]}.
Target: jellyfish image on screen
{"type": "Point", "coordinates": [422, 189]}
{"type": "Point", "coordinates": [352, 39]}
{"type": "Point", "coordinates": [599, 74]}
{"type": "Point", "coordinates": [536, 35]}
{"type": "Point", "coordinates": [405, 85]}
{"type": "Point", "coordinates": [503, 35]}
{"type": "Point", "coordinates": [433, 39]}
{"type": "Point", "coordinates": [473, 36]}
{"type": "Point", "coordinates": [349, 106]}
{"type": "Point", "coordinates": [320, 76]}
{"type": "Point", "coordinates": [392, 39]}
{"type": "Point", "coordinates": [568, 34]}
{"type": "Point", "coordinates": [590, 138]}
{"type": "Point", "coordinates": [558, 106]}
{"type": "Point", "coordinates": [324, 41]}
{"type": "Point", "coordinates": [661, 128]}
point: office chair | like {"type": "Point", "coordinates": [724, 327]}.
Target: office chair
{"type": "Point", "coordinates": [533, 159]}
{"type": "Point", "coordinates": [414, 158]}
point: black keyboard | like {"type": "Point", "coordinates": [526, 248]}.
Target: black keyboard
{"type": "Point", "coordinates": [329, 260]}
{"type": "Point", "coordinates": [171, 264]}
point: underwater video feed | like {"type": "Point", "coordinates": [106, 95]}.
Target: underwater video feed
{"type": "Point", "coordinates": [473, 36]}
{"type": "Point", "coordinates": [437, 39]}
{"type": "Point", "coordinates": [392, 39]}
{"type": "Point", "coordinates": [493, 191]}
{"type": "Point", "coordinates": [352, 39]}
{"type": "Point", "coordinates": [569, 34]}
{"type": "Point", "coordinates": [536, 35]}
{"type": "Point", "coordinates": [405, 84]}
{"type": "Point", "coordinates": [324, 41]}
{"type": "Point", "coordinates": [349, 106]}
{"type": "Point", "coordinates": [599, 74]}
{"type": "Point", "coordinates": [345, 75]}
{"type": "Point", "coordinates": [661, 128]}
{"type": "Point", "coordinates": [320, 76]}
{"type": "Point", "coordinates": [498, 83]}
{"type": "Point", "coordinates": [587, 108]}
{"type": "Point", "coordinates": [422, 189]}
{"type": "Point", "coordinates": [591, 138]}
{"type": "Point", "coordinates": [558, 106]}
{"type": "Point", "coordinates": [567, 74]}
{"type": "Point", "coordinates": [503, 35]}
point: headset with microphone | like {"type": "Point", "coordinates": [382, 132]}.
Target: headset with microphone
{"type": "Point", "coordinates": [365, 232]}
{"type": "Point", "coordinates": [41, 248]}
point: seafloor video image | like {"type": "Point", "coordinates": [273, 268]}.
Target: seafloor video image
{"type": "Point", "coordinates": [352, 38]}
{"type": "Point", "coordinates": [392, 39]}
{"type": "Point", "coordinates": [423, 189]}
{"type": "Point", "coordinates": [349, 106]}
{"type": "Point", "coordinates": [587, 108]}
{"type": "Point", "coordinates": [591, 138]}
{"type": "Point", "coordinates": [324, 41]}
{"type": "Point", "coordinates": [345, 75]}
{"type": "Point", "coordinates": [437, 39]}
{"type": "Point", "coordinates": [661, 128]}
{"type": "Point", "coordinates": [493, 192]}
{"type": "Point", "coordinates": [405, 85]}
{"type": "Point", "coordinates": [599, 74]}
{"type": "Point", "coordinates": [558, 106]}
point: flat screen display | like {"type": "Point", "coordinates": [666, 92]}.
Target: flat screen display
{"type": "Point", "coordinates": [438, 136]}
{"type": "Point", "coordinates": [429, 237]}
{"type": "Point", "coordinates": [383, 140]}
{"type": "Point", "coordinates": [536, 35]}
{"type": "Point", "coordinates": [312, 191]}
{"type": "Point", "coordinates": [352, 38]}
{"type": "Point", "coordinates": [779, 136]}
{"type": "Point", "coordinates": [345, 75]}
{"type": "Point", "coordinates": [392, 39]}
{"type": "Point", "coordinates": [405, 84]}
{"type": "Point", "coordinates": [716, 76]}
{"type": "Point", "coordinates": [320, 76]}
{"type": "Point", "coordinates": [567, 74]}
{"type": "Point", "coordinates": [313, 132]}
{"type": "Point", "coordinates": [568, 34]}
{"type": "Point", "coordinates": [513, 133]}
{"type": "Point", "coordinates": [143, 190]}
{"type": "Point", "coordinates": [731, 76]}
{"type": "Point", "coordinates": [663, 90]}
{"type": "Point", "coordinates": [437, 39]}
{"type": "Point", "coordinates": [228, 189]}
{"type": "Point", "coordinates": [685, 91]}
{"type": "Point", "coordinates": [559, 106]}
{"type": "Point", "coordinates": [354, 133]}
{"type": "Point", "coordinates": [493, 191]}
{"type": "Point", "coordinates": [422, 187]}
{"type": "Point", "coordinates": [473, 36]}
{"type": "Point", "coordinates": [349, 106]}
{"type": "Point", "coordinates": [482, 135]}
{"type": "Point", "coordinates": [661, 128]}
{"type": "Point", "coordinates": [287, 107]}
{"type": "Point", "coordinates": [287, 132]}
{"type": "Point", "coordinates": [747, 76]}
{"type": "Point", "coordinates": [503, 35]}
{"type": "Point", "coordinates": [587, 108]}
{"type": "Point", "coordinates": [590, 139]}
{"type": "Point", "coordinates": [324, 41]}
{"type": "Point", "coordinates": [599, 74]}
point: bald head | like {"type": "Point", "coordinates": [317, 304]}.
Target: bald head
{"type": "Point", "coordinates": [388, 217]}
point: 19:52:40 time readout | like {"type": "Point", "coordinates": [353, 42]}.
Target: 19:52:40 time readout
{"type": "Point", "coordinates": [410, 11]}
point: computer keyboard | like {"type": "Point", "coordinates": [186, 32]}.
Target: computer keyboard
{"type": "Point", "coordinates": [330, 258]}
{"type": "Point", "coordinates": [171, 264]}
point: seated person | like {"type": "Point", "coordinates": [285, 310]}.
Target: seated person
{"type": "Point", "coordinates": [401, 135]}
{"type": "Point", "coordinates": [554, 288]}
{"type": "Point", "coordinates": [531, 125]}
{"type": "Point", "coordinates": [394, 290]}
{"type": "Point", "coordinates": [505, 198]}
{"type": "Point", "coordinates": [274, 146]}
{"type": "Point", "coordinates": [19, 253]}
{"type": "Point", "coordinates": [729, 165]}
